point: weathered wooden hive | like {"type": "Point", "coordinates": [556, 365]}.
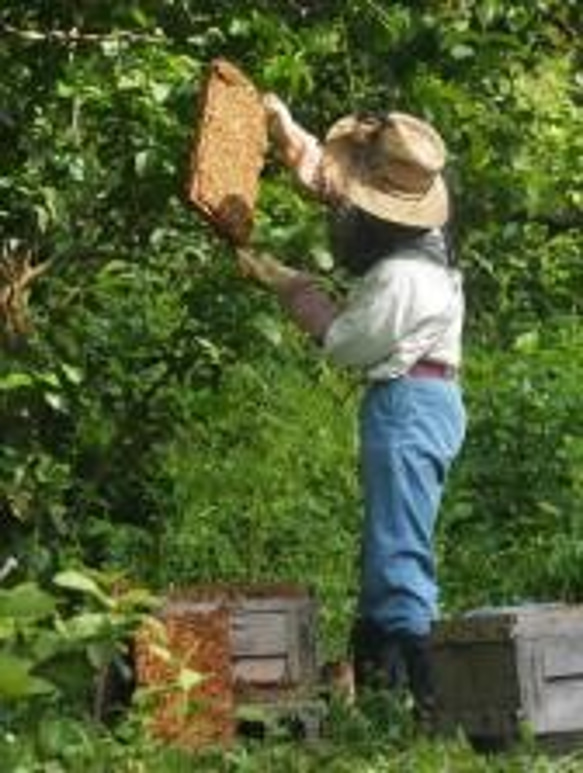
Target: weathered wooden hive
{"type": "Point", "coordinates": [269, 635]}
{"type": "Point", "coordinates": [502, 671]}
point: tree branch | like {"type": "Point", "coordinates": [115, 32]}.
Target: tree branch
{"type": "Point", "coordinates": [75, 36]}
{"type": "Point", "coordinates": [17, 272]}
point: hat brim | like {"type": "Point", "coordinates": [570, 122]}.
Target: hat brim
{"type": "Point", "coordinates": [349, 177]}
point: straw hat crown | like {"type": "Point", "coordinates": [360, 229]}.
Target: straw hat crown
{"type": "Point", "coordinates": [389, 166]}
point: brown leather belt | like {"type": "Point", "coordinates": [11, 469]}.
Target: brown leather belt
{"type": "Point", "coordinates": [432, 369]}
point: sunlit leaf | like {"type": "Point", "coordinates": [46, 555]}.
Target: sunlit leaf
{"type": "Point", "coordinates": [77, 581]}
{"type": "Point", "coordinates": [188, 679]}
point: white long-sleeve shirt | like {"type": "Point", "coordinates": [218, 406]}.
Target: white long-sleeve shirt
{"type": "Point", "coordinates": [404, 310]}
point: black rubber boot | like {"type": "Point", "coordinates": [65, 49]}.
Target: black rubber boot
{"type": "Point", "coordinates": [417, 655]}
{"type": "Point", "coordinates": [378, 659]}
{"type": "Point", "coordinates": [395, 661]}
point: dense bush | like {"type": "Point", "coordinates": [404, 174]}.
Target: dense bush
{"type": "Point", "coordinates": [161, 418]}
{"type": "Point", "coordinates": [512, 527]}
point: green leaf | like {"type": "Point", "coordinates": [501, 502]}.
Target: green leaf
{"type": "Point", "coordinates": [72, 373]}
{"type": "Point", "coordinates": [462, 51]}
{"type": "Point", "coordinates": [269, 328]}
{"type": "Point", "coordinates": [16, 681]}
{"type": "Point", "coordinates": [162, 653]}
{"type": "Point", "coordinates": [56, 401]}
{"type": "Point", "coordinates": [527, 342]}
{"type": "Point", "coordinates": [71, 579]}
{"type": "Point", "coordinates": [161, 91]}
{"type": "Point", "coordinates": [100, 654]}
{"type": "Point", "coordinates": [26, 601]}
{"type": "Point", "coordinates": [138, 599]}
{"type": "Point", "coordinates": [7, 629]}
{"type": "Point", "coordinates": [188, 679]}
{"type": "Point", "coordinates": [141, 162]}
{"type": "Point", "coordinates": [88, 625]}
{"type": "Point", "coordinates": [15, 381]}
{"type": "Point", "coordinates": [47, 644]}
{"type": "Point", "coordinates": [20, 380]}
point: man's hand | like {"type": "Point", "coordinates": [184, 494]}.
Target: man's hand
{"type": "Point", "coordinates": [264, 268]}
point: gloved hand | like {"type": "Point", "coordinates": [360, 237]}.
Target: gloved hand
{"type": "Point", "coordinates": [264, 268]}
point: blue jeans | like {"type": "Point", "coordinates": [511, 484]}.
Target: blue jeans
{"type": "Point", "coordinates": [410, 431]}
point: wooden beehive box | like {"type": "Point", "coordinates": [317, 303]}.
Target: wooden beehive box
{"type": "Point", "coordinates": [501, 671]}
{"type": "Point", "coordinates": [255, 646]}
{"type": "Point", "coordinates": [272, 635]}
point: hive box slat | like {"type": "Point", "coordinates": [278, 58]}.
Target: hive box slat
{"type": "Point", "coordinates": [259, 633]}
{"type": "Point", "coordinates": [280, 631]}
{"type": "Point", "coordinates": [261, 671]}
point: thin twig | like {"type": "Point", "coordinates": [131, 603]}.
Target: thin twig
{"type": "Point", "coordinates": [75, 36]}
{"type": "Point", "coordinates": [32, 272]}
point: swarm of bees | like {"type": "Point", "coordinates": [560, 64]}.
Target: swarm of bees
{"type": "Point", "coordinates": [17, 272]}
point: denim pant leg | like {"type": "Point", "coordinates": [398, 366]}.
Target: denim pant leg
{"type": "Point", "coordinates": [411, 429]}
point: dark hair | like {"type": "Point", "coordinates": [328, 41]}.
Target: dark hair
{"type": "Point", "coordinates": [358, 239]}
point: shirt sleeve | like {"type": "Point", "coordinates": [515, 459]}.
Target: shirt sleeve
{"type": "Point", "coordinates": [309, 165]}
{"type": "Point", "coordinates": [311, 308]}
{"type": "Point", "coordinates": [301, 151]}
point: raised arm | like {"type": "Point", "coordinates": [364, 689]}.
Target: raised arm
{"type": "Point", "coordinates": [300, 151]}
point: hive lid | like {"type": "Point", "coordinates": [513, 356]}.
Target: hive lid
{"type": "Point", "coordinates": [501, 623]}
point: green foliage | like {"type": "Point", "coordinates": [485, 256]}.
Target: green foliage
{"type": "Point", "coordinates": [260, 479]}
{"type": "Point", "coordinates": [161, 417]}
{"type": "Point", "coordinates": [41, 634]}
{"type": "Point", "coordinates": [512, 528]}
{"type": "Point", "coordinates": [55, 645]}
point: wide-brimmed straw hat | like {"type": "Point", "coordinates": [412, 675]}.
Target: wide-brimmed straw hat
{"type": "Point", "coordinates": [390, 166]}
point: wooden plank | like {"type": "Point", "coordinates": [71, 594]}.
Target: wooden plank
{"type": "Point", "coordinates": [529, 620]}
{"type": "Point", "coordinates": [261, 671]}
{"type": "Point", "coordinates": [562, 659]}
{"type": "Point", "coordinates": [561, 706]}
{"type": "Point", "coordinates": [272, 637]}
{"type": "Point", "coordinates": [273, 604]}
{"type": "Point", "coordinates": [560, 621]}
{"type": "Point", "coordinates": [260, 633]}
{"type": "Point", "coordinates": [473, 677]}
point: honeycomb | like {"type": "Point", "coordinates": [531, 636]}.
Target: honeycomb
{"type": "Point", "coordinates": [228, 152]}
